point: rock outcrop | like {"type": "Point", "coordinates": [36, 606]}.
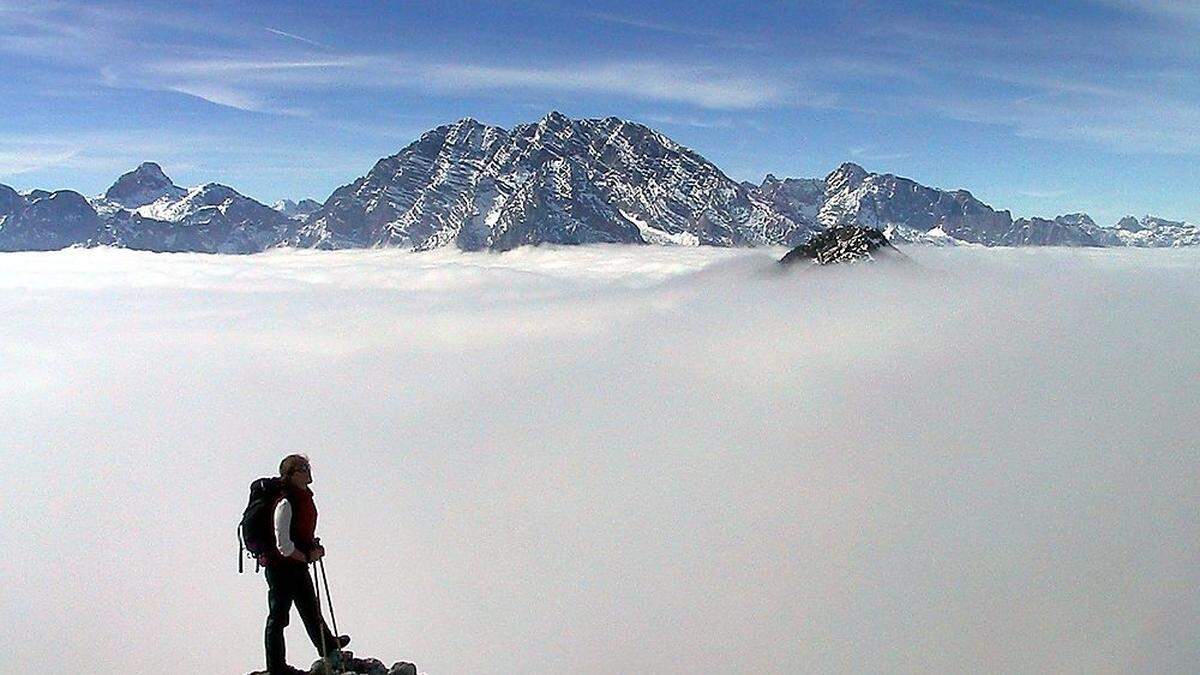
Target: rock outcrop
{"type": "Point", "coordinates": [348, 663]}
{"type": "Point", "coordinates": [843, 244]}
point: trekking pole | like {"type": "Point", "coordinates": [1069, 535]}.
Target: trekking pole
{"type": "Point", "coordinates": [329, 600]}
{"type": "Point", "coordinates": [317, 589]}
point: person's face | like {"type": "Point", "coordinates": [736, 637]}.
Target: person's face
{"type": "Point", "coordinates": [302, 476]}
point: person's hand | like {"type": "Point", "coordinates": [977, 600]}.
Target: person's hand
{"type": "Point", "coordinates": [317, 553]}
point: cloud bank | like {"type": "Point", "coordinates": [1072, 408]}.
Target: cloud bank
{"type": "Point", "coordinates": [559, 460]}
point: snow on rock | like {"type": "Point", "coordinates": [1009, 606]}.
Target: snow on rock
{"type": "Point", "coordinates": [853, 196]}
{"type": "Point", "coordinates": [844, 244]}
{"type": "Point", "coordinates": [556, 181]}
{"type": "Point", "coordinates": [1155, 232]}
{"type": "Point", "coordinates": [299, 210]}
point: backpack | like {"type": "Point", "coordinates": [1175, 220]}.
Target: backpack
{"type": "Point", "coordinates": [256, 532]}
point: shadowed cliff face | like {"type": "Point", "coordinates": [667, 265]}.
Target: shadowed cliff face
{"type": "Point", "coordinates": [548, 461]}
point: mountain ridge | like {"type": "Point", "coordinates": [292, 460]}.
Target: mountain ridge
{"type": "Point", "coordinates": [557, 180]}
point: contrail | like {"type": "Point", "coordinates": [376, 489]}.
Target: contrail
{"type": "Point", "coordinates": [298, 37]}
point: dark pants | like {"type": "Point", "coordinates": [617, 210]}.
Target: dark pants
{"type": "Point", "coordinates": [289, 583]}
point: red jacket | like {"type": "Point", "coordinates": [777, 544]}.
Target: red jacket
{"type": "Point", "coordinates": [301, 521]}
{"type": "Point", "coordinates": [304, 519]}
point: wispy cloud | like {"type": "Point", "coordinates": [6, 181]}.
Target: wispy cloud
{"type": "Point", "coordinates": [700, 86]}
{"type": "Point", "coordinates": [1003, 72]}
{"type": "Point", "coordinates": [871, 154]}
{"type": "Point", "coordinates": [219, 95]}
{"type": "Point", "coordinates": [655, 26]}
{"type": "Point", "coordinates": [17, 162]}
{"type": "Point", "coordinates": [100, 151]}
{"type": "Point", "coordinates": [252, 78]}
{"type": "Point", "coordinates": [687, 121]}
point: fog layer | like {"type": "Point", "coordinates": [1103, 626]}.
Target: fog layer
{"type": "Point", "coordinates": [609, 459]}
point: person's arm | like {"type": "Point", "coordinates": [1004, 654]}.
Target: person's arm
{"type": "Point", "coordinates": [283, 532]}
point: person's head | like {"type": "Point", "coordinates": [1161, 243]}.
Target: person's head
{"type": "Point", "coordinates": [295, 471]}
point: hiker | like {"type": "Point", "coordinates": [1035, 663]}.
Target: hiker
{"type": "Point", "coordinates": [286, 568]}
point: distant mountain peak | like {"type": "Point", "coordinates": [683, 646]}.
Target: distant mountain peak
{"type": "Point", "coordinates": [145, 184]}
{"type": "Point", "coordinates": [293, 209]}
{"type": "Point", "coordinates": [850, 168]}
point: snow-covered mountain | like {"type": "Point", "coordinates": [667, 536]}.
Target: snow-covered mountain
{"type": "Point", "coordinates": [300, 209]}
{"type": "Point", "coordinates": [908, 211]}
{"type": "Point", "coordinates": [211, 218]}
{"type": "Point", "coordinates": [1153, 232]}
{"type": "Point", "coordinates": [558, 180]}
{"type": "Point", "coordinates": [799, 199]}
{"type": "Point", "coordinates": [145, 210]}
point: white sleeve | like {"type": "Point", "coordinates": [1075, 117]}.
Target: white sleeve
{"type": "Point", "coordinates": [283, 528]}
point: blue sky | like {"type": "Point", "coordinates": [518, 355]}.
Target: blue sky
{"type": "Point", "coordinates": [1042, 108]}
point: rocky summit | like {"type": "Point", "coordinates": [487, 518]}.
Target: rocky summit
{"type": "Point", "coordinates": [143, 185]}
{"type": "Point", "coordinates": [554, 181]}
{"type": "Point", "coordinates": [349, 664]}
{"type": "Point", "coordinates": [843, 244]}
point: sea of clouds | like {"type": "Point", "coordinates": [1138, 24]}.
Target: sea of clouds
{"type": "Point", "coordinates": [609, 459]}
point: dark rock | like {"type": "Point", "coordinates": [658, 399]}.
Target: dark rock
{"type": "Point", "coordinates": [350, 664]}
{"type": "Point", "coordinates": [1076, 229]}
{"type": "Point", "coordinates": [843, 244]}
{"type": "Point", "coordinates": [47, 221]}
{"type": "Point", "coordinates": [145, 184]}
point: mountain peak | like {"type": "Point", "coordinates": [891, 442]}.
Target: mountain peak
{"type": "Point", "coordinates": [850, 169]}
{"type": "Point", "coordinates": [141, 186]}
{"type": "Point", "coordinates": [555, 120]}
{"type": "Point", "coordinates": [148, 173]}
{"type": "Point", "coordinates": [150, 168]}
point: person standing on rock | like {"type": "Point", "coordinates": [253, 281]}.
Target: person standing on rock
{"type": "Point", "coordinates": [286, 568]}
